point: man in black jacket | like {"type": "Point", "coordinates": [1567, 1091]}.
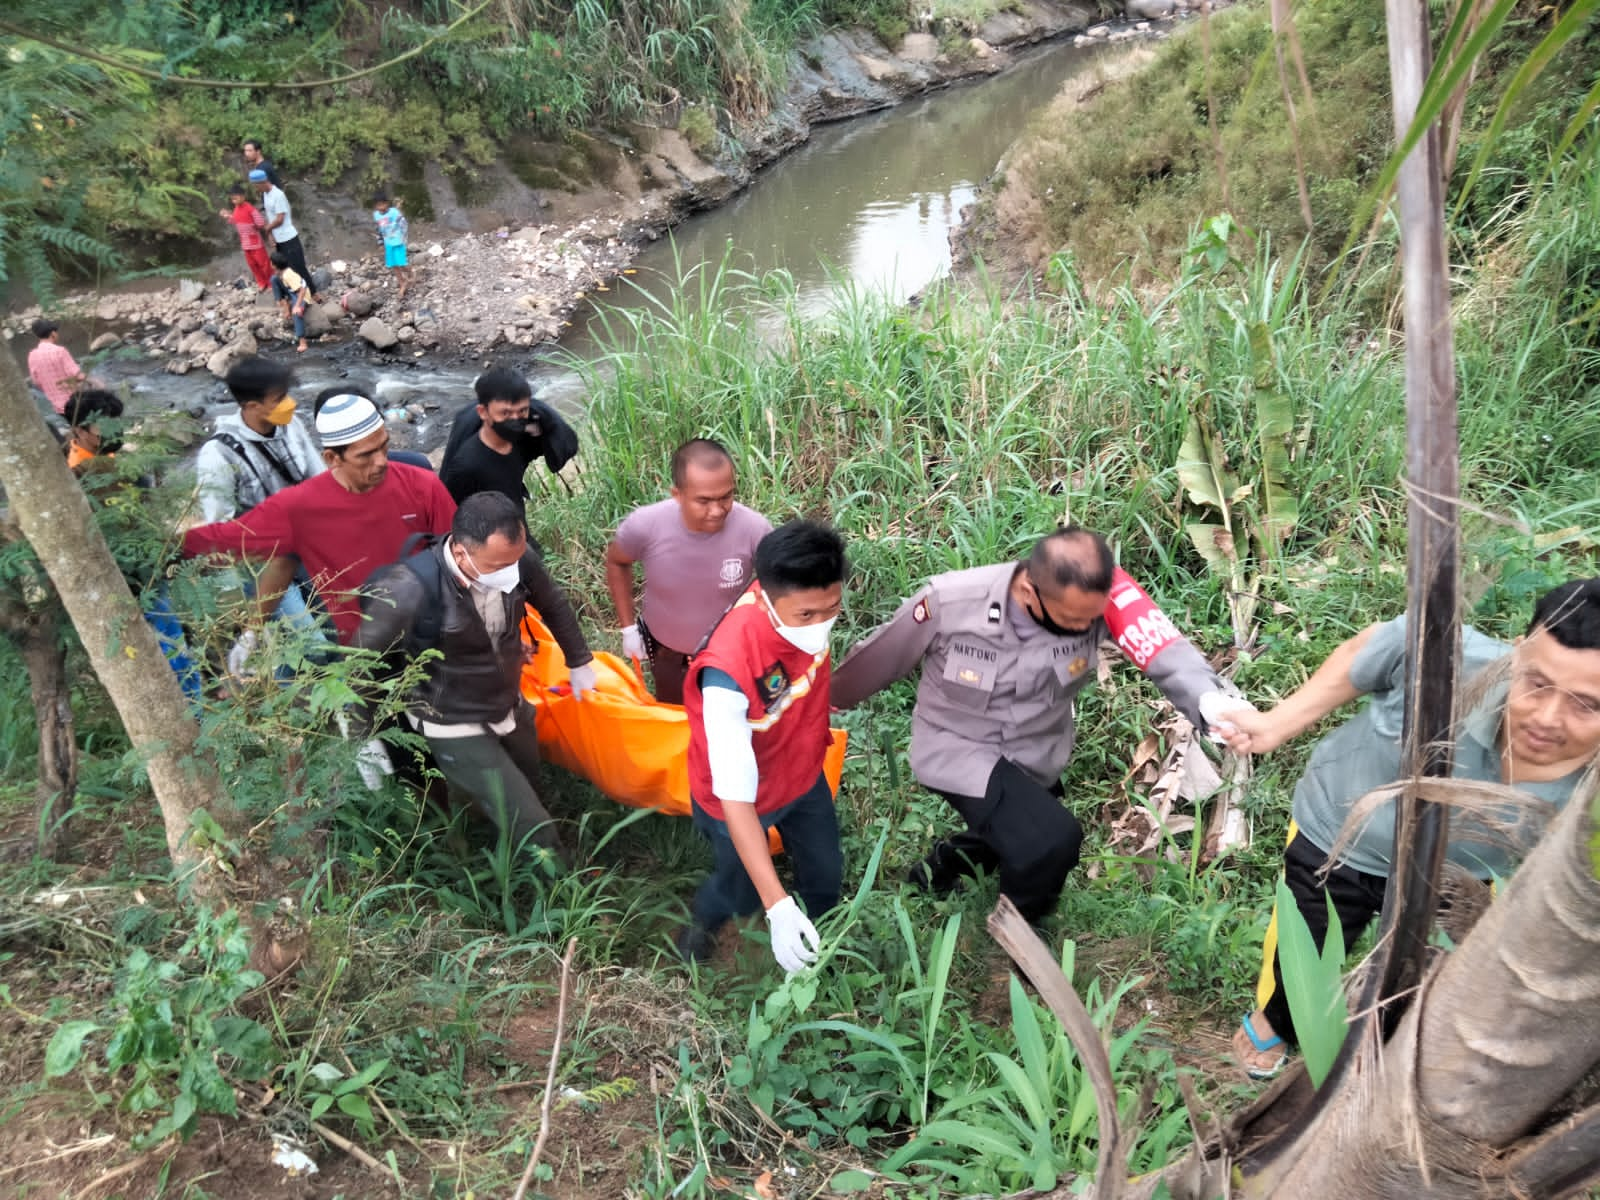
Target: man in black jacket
{"type": "Point", "coordinates": [465, 597]}
{"type": "Point", "coordinates": [492, 444]}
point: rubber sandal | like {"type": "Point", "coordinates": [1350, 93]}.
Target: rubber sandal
{"type": "Point", "coordinates": [1260, 1043]}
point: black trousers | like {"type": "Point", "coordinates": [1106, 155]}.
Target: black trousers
{"type": "Point", "coordinates": [1019, 827]}
{"type": "Point", "coordinates": [669, 668]}
{"type": "Point", "coordinates": [1357, 898]}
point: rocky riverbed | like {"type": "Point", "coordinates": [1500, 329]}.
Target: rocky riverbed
{"type": "Point", "coordinates": [517, 284]}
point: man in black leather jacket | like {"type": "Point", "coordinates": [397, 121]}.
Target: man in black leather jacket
{"type": "Point", "coordinates": [464, 597]}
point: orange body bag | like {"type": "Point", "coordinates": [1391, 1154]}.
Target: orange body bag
{"type": "Point", "coordinates": [624, 741]}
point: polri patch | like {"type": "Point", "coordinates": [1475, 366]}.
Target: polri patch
{"type": "Point", "coordinates": [774, 682]}
{"type": "Point", "coordinates": [919, 614]}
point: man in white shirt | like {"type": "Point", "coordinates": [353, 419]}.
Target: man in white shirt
{"type": "Point", "coordinates": [281, 227]}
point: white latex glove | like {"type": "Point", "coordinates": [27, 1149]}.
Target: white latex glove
{"type": "Point", "coordinates": [583, 681]}
{"type": "Point", "coordinates": [1212, 705]}
{"type": "Point", "coordinates": [794, 939]}
{"type": "Point", "coordinates": [633, 643]}
{"type": "Point", "coordinates": [372, 764]}
{"type": "Point", "coordinates": [239, 654]}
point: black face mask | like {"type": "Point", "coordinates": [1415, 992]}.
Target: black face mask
{"type": "Point", "coordinates": [512, 429]}
{"type": "Point", "coordinates": [1044, 621]}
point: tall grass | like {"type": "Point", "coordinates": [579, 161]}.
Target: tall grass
{"type": "Point", "coordinates": [956, 432]}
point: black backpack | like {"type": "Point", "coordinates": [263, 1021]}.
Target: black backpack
{"type": "Point", "coordinates": [417, 556]}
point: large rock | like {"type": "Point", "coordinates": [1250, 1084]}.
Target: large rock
{"type": "Point", "coordinates": [189, 322]}
{"type": "Point", "coordinates": [919, 47]}
{"type": "Point", "coordinates": [320, 318]}
{"type": "Point", "coordinates": [199, 344]}
{"type": "Point", "coordinates": [358, 303]}
{"type": "Point", "coordinates": [407, 333]}
{"type": "Point", "coordinates": [321, 280]}
{"type": "Point", "coordinates": [190, 291]}
{"type": "Point", "coordinates": [878, 69]}
{"type": "Point", "coordinates": [104, 342]}
{"type": "Point", "coordinates": [528, 233]}
{"type": "Point", "coordinates": [378, 333]}
{"type": "Point", "coordinates": [224, 360]}
{"type": "Point", "coordinates": [1149, 10]}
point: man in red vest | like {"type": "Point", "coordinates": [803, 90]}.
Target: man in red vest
{"type": "Point", "coordinates": [757, 698]}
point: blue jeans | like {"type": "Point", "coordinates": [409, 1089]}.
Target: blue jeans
{"type": "Point", "coordinates": [810, 830]}
{"type": "Point", "coordinates": [281, 293]}
{"type": "Point", "coordinates": [169, 635]}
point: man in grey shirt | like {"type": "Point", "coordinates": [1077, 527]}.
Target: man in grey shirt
{"type": "Point", "coordinates": [1533, 724]}
{"type": "Point", "coordinates": [696, 550]}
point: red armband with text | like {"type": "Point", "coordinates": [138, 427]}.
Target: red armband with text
{"type": "Point", "coordinates": [1140, 629]}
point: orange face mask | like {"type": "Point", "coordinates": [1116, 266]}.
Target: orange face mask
{"type": "Point", "coordinates": [283, 412]}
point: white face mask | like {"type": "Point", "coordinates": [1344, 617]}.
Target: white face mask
{"type": "Point", "coordinates": [504, 580]}
{"type": "Point", "coordinates": [813, 639]}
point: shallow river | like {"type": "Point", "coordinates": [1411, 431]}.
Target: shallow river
{"type": "Point", "coordinates": [868, 202]}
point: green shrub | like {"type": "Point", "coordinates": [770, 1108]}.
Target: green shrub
{"type": "Point", "coordinates": [171, 1027]}
{"type": "Point", "coordinates": [698, 124]}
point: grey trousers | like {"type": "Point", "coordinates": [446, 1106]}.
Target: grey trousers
{"type": "Point", "coordinates": [499, 774]}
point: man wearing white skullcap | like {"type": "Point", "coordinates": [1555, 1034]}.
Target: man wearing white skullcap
{"type": "Point", "coordinates": [345, 523]}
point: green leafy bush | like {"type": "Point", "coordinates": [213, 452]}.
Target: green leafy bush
{"type": "Point", "coordinates": [170, 1029]}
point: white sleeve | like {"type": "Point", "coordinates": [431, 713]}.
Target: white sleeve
{"type": "Point", "coordinates": [728, 744]}
{"type": "Point", "coordinates": [215, 476]}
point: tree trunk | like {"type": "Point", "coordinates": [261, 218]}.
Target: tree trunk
{"type": "Point", "coordinates": [55, 517]}
{"type": "Point", "coordinates": [45, 656]}
{"type": "Point", "coordinates": [1504, 1029]}
{"type": "Point", "coordinates": [1469, 1098]}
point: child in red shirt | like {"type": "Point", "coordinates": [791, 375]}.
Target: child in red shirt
{"type": "Point", "coordinates": [248, 222]}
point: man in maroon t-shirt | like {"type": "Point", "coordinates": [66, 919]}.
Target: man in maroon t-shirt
{"type": "Point", "coordinates": [343, 524]}
{"type": "Point", "coordinates": [757, 698]}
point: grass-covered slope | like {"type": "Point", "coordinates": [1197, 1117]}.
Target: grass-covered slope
{"type": "Point", "coordinates": [1117, 175]}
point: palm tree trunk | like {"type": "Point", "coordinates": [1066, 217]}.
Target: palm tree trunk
{"type": "Point", "coordinates": [1512, 1022]}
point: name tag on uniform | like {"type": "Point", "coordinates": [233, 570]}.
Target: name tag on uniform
{"type": "Point", "coordinates": [970, 674]}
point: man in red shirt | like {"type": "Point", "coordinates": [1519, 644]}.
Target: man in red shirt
{"type": "Point", "coordinates": [51, 366]}
{"type": "Point", "coordinates": [757, 699]}
{"type": "Point", "coordinates": [345, 523]}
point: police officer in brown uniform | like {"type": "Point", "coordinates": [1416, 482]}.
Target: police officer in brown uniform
{"type": "Point", "coordinates": [1003, 651]}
